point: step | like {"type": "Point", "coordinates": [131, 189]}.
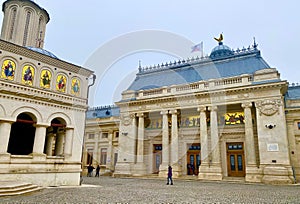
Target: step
{"type": "Point", "coordinates": [11, 188]}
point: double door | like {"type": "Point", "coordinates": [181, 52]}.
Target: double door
{"type": "Point", "coordinates": [235, 159]}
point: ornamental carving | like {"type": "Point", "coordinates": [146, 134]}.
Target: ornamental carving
{"type": "Point", "coordinates": [268, 107]}
{"type": "Point", "coordinates": [126, 119]}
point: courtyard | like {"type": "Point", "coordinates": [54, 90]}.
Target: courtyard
{"type": "Point", "coordinates": [154, 190]}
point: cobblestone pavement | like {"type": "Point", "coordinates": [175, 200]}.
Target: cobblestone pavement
{"type": "Point", "coordinates": [133, 190]}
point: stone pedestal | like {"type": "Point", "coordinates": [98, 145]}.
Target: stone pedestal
{"type": "Point", "coordinates": [253, 174]}
{"type": "Point", "coordinates": [210, 172]}
{"type": "Point", "coordinates": [139, 169]}
{"type": "Point", "coordinates": [4, 157]}
{"type": "Point", "coordinates": [163, 170]}
{"type": "Point", "coordinates": [122, 170]}
{"type": "Point", "coordinates": [276, 174]}
{"type": "Point", "coordinates": [38, 157]}
{"type": "Point", "coordinates": [176, 171]}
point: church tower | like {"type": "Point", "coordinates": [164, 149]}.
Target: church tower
{"type": "Point", "coordinates": [24, 23]}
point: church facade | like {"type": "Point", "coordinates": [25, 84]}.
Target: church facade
{"type": "Point", "coordinates": [43, 102]}
{"type": "Point", "coordinates": [225, 115]}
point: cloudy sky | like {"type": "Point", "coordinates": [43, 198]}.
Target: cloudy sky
{"type": "Point", "coordinates": [107, 36]}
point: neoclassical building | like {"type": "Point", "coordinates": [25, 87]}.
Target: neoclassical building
{"type": "Point", "coordinates": [222, 116]}
{"type": "Point", "coordinates": [43, 101]}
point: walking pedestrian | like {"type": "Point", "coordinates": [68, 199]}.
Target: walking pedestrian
{"type": "Point", "coordinates": [169, 176]}
{"type": "Point", "coordinates": [97, 171]}
{"type": "Point", "coordinates": [90, 170]}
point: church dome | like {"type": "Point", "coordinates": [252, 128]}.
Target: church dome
{"type": "Point", "coordinates": [220, 51]}
{"type": "Point", "coordinates": [42, 51]}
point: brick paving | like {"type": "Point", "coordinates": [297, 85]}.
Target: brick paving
{"type": "Point", "coordinates": [154, 190]}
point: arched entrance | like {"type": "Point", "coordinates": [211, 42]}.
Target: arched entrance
{"type": "Point", "coordinates": [55, 138]}
{"type": "Point", "coordinates": [22, 135]}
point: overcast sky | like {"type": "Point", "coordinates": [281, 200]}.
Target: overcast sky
{"type": "Point", "coordinates": [79, 29]}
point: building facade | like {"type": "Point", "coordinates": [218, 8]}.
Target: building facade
{"type": "Point", "coordinates": [43, 103]}
{"type": "Point", "coordinates": [225, 115]}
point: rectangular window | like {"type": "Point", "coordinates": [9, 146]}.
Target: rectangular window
{"type": "Point", "coordinates": [103, 156]}
{"type": "Point", "coordinates": [116, 134]}
{"type": "Point", "coordinates": [104, 135]}
{"type": "Point", "coordinates": [91, 136]}
{"type": "Point", "coordinates": [298, 125]}
{"type": "Point", "coordinates": [89, 159]}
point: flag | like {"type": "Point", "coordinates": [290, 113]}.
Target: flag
{"type": "Point", "coordinates": [198, 48]}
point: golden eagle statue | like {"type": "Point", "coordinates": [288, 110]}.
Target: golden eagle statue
{"type": "Point", "coordinates": [220, 38]}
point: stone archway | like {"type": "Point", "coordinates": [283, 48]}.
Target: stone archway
{"type": "Point", "coordinates": [55, 138]}
{"type": "Point", "coordinates": [22, 135]}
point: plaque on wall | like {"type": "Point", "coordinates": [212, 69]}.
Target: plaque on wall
{"type": "Point", "coordinates": [272, 147]}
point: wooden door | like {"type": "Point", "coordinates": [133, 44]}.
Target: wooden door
{"type": "Point", "coordinates": [235, 159]}
{"type": "Point", "coordinates": [193, 159]}
{"type": "Point", "coordinates": [157, 158]}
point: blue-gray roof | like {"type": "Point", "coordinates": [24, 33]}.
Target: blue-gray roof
{"type": "Point", "coordinates": [42, 51]}
{"type": "Point", "coordinates": [103, 112]}
{"type": "Point", "coordinates": [219, 65]}
{"type": "Point", "coordinates": [293, 92]}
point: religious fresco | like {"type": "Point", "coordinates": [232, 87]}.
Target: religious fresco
{"type": "Point", "coordinates": [75, 88]}
{"type": "Point", "coordinates": [233, 118]}
{"type": "Point", "coordinates": [8, 69]}
{"type": "Point", "coordinates": [27, 75]}
{"type": "Point", "coordinates": [61, 82]}
{"type": "Point", "coordinates": [45, 79]}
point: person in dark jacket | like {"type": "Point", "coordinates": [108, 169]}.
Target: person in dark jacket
{"type": "Point", "coordinates": [169, 176]}
{"type": "Point", "coordinates": [97, 171]}
{"type": "Point", "coordinates": [90, 170]}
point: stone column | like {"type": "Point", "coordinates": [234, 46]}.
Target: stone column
{"type": "Point", "coordinates": [49, 144]}
{"type": "Point", "coordinates": [96, 152]}
{"type": "Point", "coordinates": [68, 142]}
{"type": "Point", "coordinates": [214, 172]}
{"type": "Point", "coordinates": [175, 145]}
{"type": "Point", "coordinates": [163, 168]}
{"type": "Point", "coordinates": [251, 166]}
{"type": "Point", "coordinates": [39, 141]}
{"type": "Point", "coordinates": [140, 168]}
{"type": "Point", "coordinates": [203, 143]}
{"type": "Point", "coordinates": [109, 162]}
{"type": "Point", "coordinates": [5, 128]}
{"type": "Point", "coordinates": [59, 143]}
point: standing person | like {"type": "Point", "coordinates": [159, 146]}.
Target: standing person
{"type": "Point", "coordinates": [169, 176]}
{"type": "Point", "coordinates": [97, 171]}
{"type": "Point", "coordinates": [90, 170]}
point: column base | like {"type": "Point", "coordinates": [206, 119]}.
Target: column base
{"type": "Point", "coordinates": [277, 174]}
{"type": "Point", "coordinates": [177, 171]}
{"type": "Point", "coordinates": [210, 172]}
{"type": "Point", "coordinates": [38, 156]}
{"type": "Point", "coordinates": [4, 157]}
{"type": "Point", "coordinates": [163, 171]}
{"type": "Point", "coordinates": [122, 170]}
{"type": "Point", "coordinates": [253, 174]}
{"type": "Point", "coordinates": [139, 169]}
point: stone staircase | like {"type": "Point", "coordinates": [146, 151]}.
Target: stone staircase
{"type": "Point", "coordinates": [13, 188]}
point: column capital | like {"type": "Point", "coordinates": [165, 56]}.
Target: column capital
{"type": "Point", "coordinates": [140, 115]}
{"type": "Point", "coordinates": [132, 115]}
{"type": "Point", "coordinates": [173, 112]}
{"type": "Point", "coordinates": [41, 125]}
{"type": "Point", "coordinates": [212, 108]}
{"type": "Point", "coordinates": [164, 112]}
{"type": "Point", "coordinates": [201, 108]}
{"type": "Point", "coordinates": [247, 105]}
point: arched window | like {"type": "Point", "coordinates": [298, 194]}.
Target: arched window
{"type": "Point", "coordinates": [12, 23]}
{"type": "Point", "coordinates": [39, 36]}
{"type": "Point", "coordinates": [26, 30]}
{"type": "Point", "coordinates": [22, 135]}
